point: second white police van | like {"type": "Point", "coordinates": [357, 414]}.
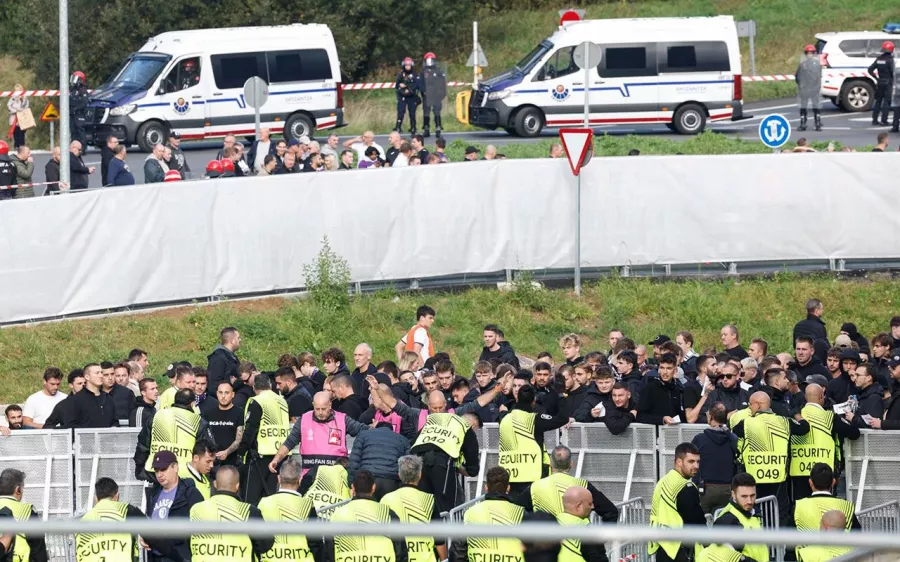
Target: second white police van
{"type": "Point", "coordinates": [192, 82]}
{"type": "Point", "coordinates": [681, 72]}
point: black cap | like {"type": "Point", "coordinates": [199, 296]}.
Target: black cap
{"type": "Point", "coordinates": [894, 360]}
{"type": "Point", "coordinates": [850, 353]}
{"type": "Point", "coordinates": [660, 339]}
{"type": "Point", "coordinates": [523, 374]}
{"type": "Point", "coordinates": [174, 135]}
{"type": "Point", "coordinates": [471, 150]}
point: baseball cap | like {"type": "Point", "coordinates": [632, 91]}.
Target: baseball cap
{"type": "Point", "coordinates": [842, 340]}
{"type": "Point", "coordinates": [163, 460]}
{"type": "Point", "coordinates": [894, 360]}
{"type": "Point", "coordinates": [471, 150]}
{"type": "Point", "coordinates": [851, 354]}
{"type": "Point", "coordinates": [174, 135]}
{"type": "Point", "coordinates": [294, 142]}
{"type": "Point", "coordinates": [523, 374]}
{"type": "Point", "coordinates": [170, 370]}
{"type": "Point", "coordinates": [304, 140]}
{"type": "Point", "coordinates": [659, 340]}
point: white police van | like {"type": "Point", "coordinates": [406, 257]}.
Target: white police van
{"type": "Point", "coordinates": [191, 82]}
{"type": "Point", "coordinates": [681, 72]}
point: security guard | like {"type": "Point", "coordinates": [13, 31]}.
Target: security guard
{"type": "Point", "coordinates": [883, 71]}
{"type": "Point", "coordinates": [765, 450]}
{"type": "Point", "coordinates": [226, 506]}
{"type": "Point", "coordinates": [174, 429]}
{"type": "Point", "coordinates": [415, 506]}
{"type": "Point", "coordinates": [720, 553]}
{"type": "Point", "coordinates": [25, 548]}
{"type": "Point", "coordinates": [363, 509]}
{"type": "Point", "coordinates": [183, 377]}
{"type": "Point", "coordinates": [113, 547]}
{"type": "Point", "coordinates": [740, 512]}
{"type": "Point", "coordinates": [577, 506]}
{"type": "Point", "coordinates": [522, 450]}
{"type": "Point", "coordinates": [203, 458]}
{"type": "Point", "coordinates": [546, 494]}
{"type": "Point", "coordinates": [676, 502]}
{"type": "Point", "coordinates": [266, 427]}
{"type": "Point", "coordinates": [7, 540]}
{"type": "Point", "coordinates": [807, 514]}
{"type": "Point", "coordinates": [288, 505]}
{"type": "Point", "coordinates": [820, 445]}
{"type": "Point", "coordinates": [326, 485]}
{"type": "Point", "coordinates": [834, 521]}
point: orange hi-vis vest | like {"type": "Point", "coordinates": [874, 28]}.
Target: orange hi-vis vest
{"type": "Point", "coordinates": [411, 341]}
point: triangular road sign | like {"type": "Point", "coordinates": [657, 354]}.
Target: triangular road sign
{"type": "Point", "coordinates": [481, 59]}
{"type": "Point", "coordinates": [50, 113]}
{"type": "Point", "coordinates": [579, 147]}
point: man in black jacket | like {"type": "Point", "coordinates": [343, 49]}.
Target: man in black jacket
{"type": "Point", "coordinates": [345, 400]}
{"type": "Point", "coordinates": [377, 451]}
{"type": "Point", "coordinates": [813, 326]}
{"type": "Point", "coordinates": [599, 393]}
{"type": "Point", "coordinates": [892, 409]}
{"type": "Point", "coordinates": [495, 347]}
{"type": "Point", "coordinates": [51, 170]}
{"type": "Point", "coordinates": [144, 406]}
{"type": "Point", "coordinates": [93, 408]}
{"type": "Point", "coordinates": [80, 173]}
{"type": "Point", "coordinates": [718, 451]}
{"type": "Point", "coordinates": [621, 411]}
{"type": "Point", "coordinates": [297, 400]}
{"type": "Point", "coordinates": [777, 385]}
{"type": "Point", "coordinates": [222, 362]}
{"type": "Point", "coordinates": [870, 398]}
{"type": "Point", "coordinates": [106, 156]}
{"type": "Point", "coordinates": [627, 367]}
{"type": "Point", "coordinates": [728, 391]}
{"type": "Point", "coordinates": [362, 358]}
{"type": "Point", "coordinates": [807, 363]}
{"type": "Point", "coordinates": [660, 402]}
{"type": "Point", "coordinates": [840, 387]}
{"type": "Point", "coordinates": [883, 71]}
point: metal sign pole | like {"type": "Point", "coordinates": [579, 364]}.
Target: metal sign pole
{"type": "Point", "coordinates": [475, 50]}
{"type": "Point", "coordinates": [587, 89]}
{"type": "Point", "coordinates": [752, 49]}
{"type": "Point", "coordinates": [65, 131]}
{"type": "Point", "coordinates": [257, 95]}
{"type": "Point", "coordinates": [578, 235]}
{"type": "Point", "coordinates": [52, 135]}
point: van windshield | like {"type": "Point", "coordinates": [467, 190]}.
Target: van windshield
{"type": "Point", "coordinates": [525, 65]}
{"type": "Point", "coordinates": [139, 71]}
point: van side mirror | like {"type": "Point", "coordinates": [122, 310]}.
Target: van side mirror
{"type": "Point", "coordinates": [161, 91]}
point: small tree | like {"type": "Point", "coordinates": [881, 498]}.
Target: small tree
{"type": "Point", "coordinates": [328, 279]}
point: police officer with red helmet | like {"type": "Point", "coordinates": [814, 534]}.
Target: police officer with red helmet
{"type": "Point", "coordinates": [78, 107]}
{"type": "Point", "coordinates": [214, 169]}
{"type": "Point", "coordinates": [190, 74]}
{"type": "Point", "coordinates": [407, 88]}
{"type": "Point", "coordinates": [434, 90]}
{"type": "Point", "coordinates": [7, 172]}
{"type": "Point", "coordinates": [883, 70]}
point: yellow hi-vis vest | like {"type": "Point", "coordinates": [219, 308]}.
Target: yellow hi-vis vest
{"type": "Point", "coordinates": [757, 552]}
{"type": "Point", "coordinates": [820, 553]}
{"type": "Point", "coordinates": [353, 549]}
{"type": "Point", "coordinates": [175, 430]}
{"type": "Point", "coordinates": [808, 512]}
{"type": "Point", "coordinates": [328, 488]}
{"type": "Point", "coordinates": [274, 424]}
{"type": "Point", "coordinates": [766, 443]}
{"type": "Point", "coordinates": [167, 400]}
{"type": "Point", "coordinates": [106, 548]}
{"type": "Point", "coordinates": [520, 454]}
{"type": "Point", "coordinates": [287, 506]}
{"type": "Point", "coordinates": [201, 481]}
{"type": "Point", "coordinates": [816, 446]}
{"type": "Point", "coordinates": [663, 512]}
{"type": "Point", "coordinates": [414, 506]}
{"type": "Point", "coordinates": [495, 512]}
{"type": "Point", "coordinates": [719, 553]}
{"type": "Point", "coordinates": [21, 512]}
{"type": "Point", "coordinates": [547, 493]}
{"type": "Point", "coordinates": [446, 431]}
{"type": "Point", "coordinates": [737, 417]}
{"type": "Point", "coordinates": [570, 550]}
{"type": "Point", "coordinates": [217, 547]}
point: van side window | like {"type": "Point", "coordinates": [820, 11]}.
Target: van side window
{"type": "Point", "coordinates": [700, 56]}
{"type": "Point", "coordinates": [231, 71]}
{"type": "Point", "coordinates": [559, 64]}
{"type": "Point", "coordinates": [854, 47]}
{"type": "Point", "coordinates": [298, 66]}
{"type": "Point", "coordinates": [185, 74]}
{"type": "Point", "coordinates": [625, 61]}
{"type": "Point", "coordinates": [874, 49]}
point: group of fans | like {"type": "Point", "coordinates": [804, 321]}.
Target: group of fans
{"type": "Point", "coordinates": [780, 421]}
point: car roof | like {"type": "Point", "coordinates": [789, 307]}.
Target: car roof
{"type": "Point", "coordinates": [833, 35]}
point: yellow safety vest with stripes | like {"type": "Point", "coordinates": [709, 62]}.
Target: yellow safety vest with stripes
{"type": "Point", "coordinates": [355, 548]}
{"type": "Point", "coordinates": [167, 400]}
{"type": "Point", "coordinates": [217, 547]}
{"type": "Point", "coordinates": [446, 431]}
{"type": "Point", "coordinates": [274, 424]}
{"type": "Point", "coordinates": [765, 449]}
{"type": "Point", "coordinates": [737, 417]}
{"type": "Point", "coordinates": [757, 552]}
{"type": "Point", "coordinates": [663, 511]}
{"type": "Point", "coordinates": [819, 445]}
{"type": "Point", "coordinates": [414, 506]}
{"type": "Point", "coordinates": [105, 547]}
{"type": "Point", "coordinates": [328, 488]}
{"type": "Point", "coordinates": [175, 430]}
{"type": "Point", "coordinates": [820, 553]}
{"type": "Point", "coordinates": [719, 553]}
{"type": "Point", "coordinates": [547, 493]}
{"type": "Point", "coordinates": [808, 512]}
{"type": "Point", "coordinates": [201, 481]}
{"type": "Point", "coordinates": [287, 506]}
{"type": "Point", "coordinates": [494, 512]}
{"type": "Point", "coordinates": [21, 512]}
{"type": "Point", "coordinates": [520, 454]}
{"type": "Point", "coordinates": [570, 549]}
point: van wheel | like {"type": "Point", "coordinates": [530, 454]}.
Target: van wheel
{"type": "Point", "coordinates": [150, 135]}
{"type": "Point", "coordinates": [690, 119]}
{"type": "Point", "coordinates": [529, 122]}
{"type": "Point", "coordinates": [297, 126]}
{"type": "Point", "coordinates": [857, 96]}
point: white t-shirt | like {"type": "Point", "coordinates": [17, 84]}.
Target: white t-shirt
{"type": "Point", "coordinates": [360, 149]}
{"type": "Point", "coordinates": [400, 161]}
{"type": "Point", "coordinates": [39, 406]}
{"type": "Point", "coordinates": [420, 336]}
{"type": "Point", "coordinates": [262, 150]}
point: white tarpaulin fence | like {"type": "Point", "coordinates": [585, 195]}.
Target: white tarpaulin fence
{"type": "Point", "coordinates": [196, 240]}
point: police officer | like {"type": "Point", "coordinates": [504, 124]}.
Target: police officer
{"type": "Point", "coordinates": [12, 487]}
{"type": "Point", "coordinates": [364, 509]}
{"type": "Point", "coordinates": [266, 427]}
{"type": "Point", "coordinates": [226, 506]}
{"type": "Point", "coordinates": [95, 547]}
{"type": "Point", "coordinates": [288, 505]}
{"type": "Point", "coordinates": [820, 445]}
{"type": "Point", "coordinates": [407, 87]}
{"type": "Point", "coordinates": [174, 429]}
{"type": "Point", "coordinates": [326, 485]}
{"type": "Point", "coordinates": [676, 502]}
{"type": "Point", "coordinates": [547, 493]}
{"type": "Point", "coordinates": [434, 90]}
{"type": "Point", "coordinates": [740, 512]}
{"type": "Point", "coordinates": [78, 106]}
{"type": "Point", "coordinates": [412, 505]}
{"type": "Point", "coordinates": [577, 506]}
{"type": "Point", "coordinates": [7, 172]}
{"type": "Point", "coordinates": [204, 456]}
{"type": "Point", "coordinates": [883, 72]}
{"type": "Point", "coordinates": [809, 86]}
{"type": "Point", "coordinates": [522, 450]}
{"type": "Point", "coordinates": [834, 521]}
{"type": "Point", "coordinates": [808, 511]}
{"type": "Point", "coordinates": [765, 449]}
{"type": "Point", "coordinates": [190, 75]}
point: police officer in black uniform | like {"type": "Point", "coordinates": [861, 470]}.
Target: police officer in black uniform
{"type": "Point", "coordinates": [190, 74]}
{"type": "Point", "coordinates": [407, 95]}
{"type": "Point", "coordinates": [883, 71]}
{"type": "Point", "coordinates": [434, 90]}
{"type": "Point", "coordinates": [78, 107]}
{"type": "Point", "coordinates": [7, 172]}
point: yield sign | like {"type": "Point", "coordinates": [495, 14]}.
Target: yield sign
{"type": "Point", "coordinates": [579, 147]}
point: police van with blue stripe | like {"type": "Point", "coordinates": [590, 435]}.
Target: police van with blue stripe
{"type": "Point", "coordinates": [192, 83]}
{"type": "Point", "coordinates": [678, 72]}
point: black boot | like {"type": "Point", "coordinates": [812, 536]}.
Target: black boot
{"type": "Point", "coordinates": [438, 126]}
{"type": "Point", "coordinates": [398, 125]}
{"type": "Point", "coordinates": [874, 118]}
{"type": "Point", "coordinates": [802, 126]}
{"type": "Point", "coordinates": [818, 119]}
{"type": "Point", "coordinates": [412, 127]}
{"type": "Point", "coordinates": [427, 132]}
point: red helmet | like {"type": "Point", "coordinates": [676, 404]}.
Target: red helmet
{"type": "Point", "coordinates": [172, 175]}
{"type": "Point", "coordinates": [408, 61]}
{"type": "Point", "coordinates": [809, 49]}
{"type": "Point", "coordinates": [214, 166]}
{"type": "Point", "coordinates": [227, 165]}
{"type": "Point", "coordinates": [887, 46]}
{"type": "Point", "coordinates": [4, 148]}
{"type": "Point", "coordinates": [429, 55]}
{"type": "Point", "coordinates": [189, 65]}
{"type": "Point", "coordinates": [78, 77]}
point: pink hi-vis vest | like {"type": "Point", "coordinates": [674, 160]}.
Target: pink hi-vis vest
{"type": "Point", "coordinates": [322, 443]}
{"type": "Point", "coordinates": [393, 418]}
{"type": "Point", "coordinates": [423, 416]}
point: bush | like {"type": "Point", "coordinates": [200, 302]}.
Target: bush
{"type": "Point", "coordinates": [328, 279]}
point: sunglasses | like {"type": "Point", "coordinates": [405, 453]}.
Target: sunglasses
{"type": "Point", "coordinates": [729, 376]}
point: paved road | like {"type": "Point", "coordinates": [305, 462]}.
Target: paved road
{"type": "Point", "coordinates": [851, 129]}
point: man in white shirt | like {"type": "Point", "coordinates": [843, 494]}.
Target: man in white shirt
{"type": "Point", "coordinates": [361, 143]}
{"type": "Point", "coordinates": [402, 158]}
{"type": "Point", "coordinates": [421, 338]}
{"type": "Point", "coordinates": [40, 404]}
{"type": "Point", "coordinates": [260, 149]}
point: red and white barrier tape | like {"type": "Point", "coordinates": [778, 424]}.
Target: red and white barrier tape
{"type": "Point", "coordinates": [24, 185]}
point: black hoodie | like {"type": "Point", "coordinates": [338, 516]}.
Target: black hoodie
{"type": "Point", "coordinates": [594, 396]}
{"type": "Point", "coordinates": [718, 451]}
{"type": "Point", "coordinates": [504, 354]}
{"type": "Point", "coordinates": [658, 400]}
{"type": "Point", "coordinates": [871, 402]}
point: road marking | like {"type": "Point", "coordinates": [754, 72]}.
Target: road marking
{"type": "Point", "coordinates": [771, 108]}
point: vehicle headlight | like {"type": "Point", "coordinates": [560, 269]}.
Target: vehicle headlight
{"type": "Point", "coordinates": [498, 95]}
{"type": "Point", "coordinates": [123, 109]}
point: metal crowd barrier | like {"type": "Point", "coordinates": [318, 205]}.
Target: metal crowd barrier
{"type": "Point", "coordinates": [107, 452]}
{"type": "Point", "coordinates": [884, 517]}
{"type": "Point", "coordinates": [631, 512]}
{"type": "Point", "coordinates": [768, 512]}
{"type": "Point", "coordinates": [872, 467]}
{"type": "Point", "coordinates": [327, 511]}
{"type": "Point", "coordinates": [45, 456]}
{"type": "Point", "coordinates": [458, 513]}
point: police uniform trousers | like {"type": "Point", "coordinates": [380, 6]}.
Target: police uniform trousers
{"type": "Point", "coordinates": [441, 479]}
{"type": "Point", "coordinates": [782, 491]}
{"type": "Point", "coordinates": [882, 102]}
{"type": "Point", "coordinates": [405, 105]}
{"type": "Point", "coordinates": [258, 482]}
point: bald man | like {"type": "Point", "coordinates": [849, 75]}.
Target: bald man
{"type": "Point", "coordinates": [362, 358]}
{"type": "Point", "coordinates": [820, 445]}
{"type": "Point", "coordinates": [832, 521]}
{"type": "Point", "coordinates": [577, 506]}
{"type": "Point", "coordinates": [321, 434]}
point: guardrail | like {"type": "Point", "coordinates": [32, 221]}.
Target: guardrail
{"type": "Point", "coordinates": [884, 517]}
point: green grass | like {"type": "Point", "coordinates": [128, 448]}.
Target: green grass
{"type": "Point", "coordinates": [532, 320]}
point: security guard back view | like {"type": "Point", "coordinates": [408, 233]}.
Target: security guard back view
{"type": "Point", "coordinates": [12, 487]}
{"type": "Point", "coordinates": [363, 509]}
{"type": "Point", "coordinates": [883, 71]}
{"type": "Point", "coordinates": [7, 171]}
{"type": "Point", "coordinates": [412, 505]}
{"type": "Point", "coordinates": [288, 505]}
